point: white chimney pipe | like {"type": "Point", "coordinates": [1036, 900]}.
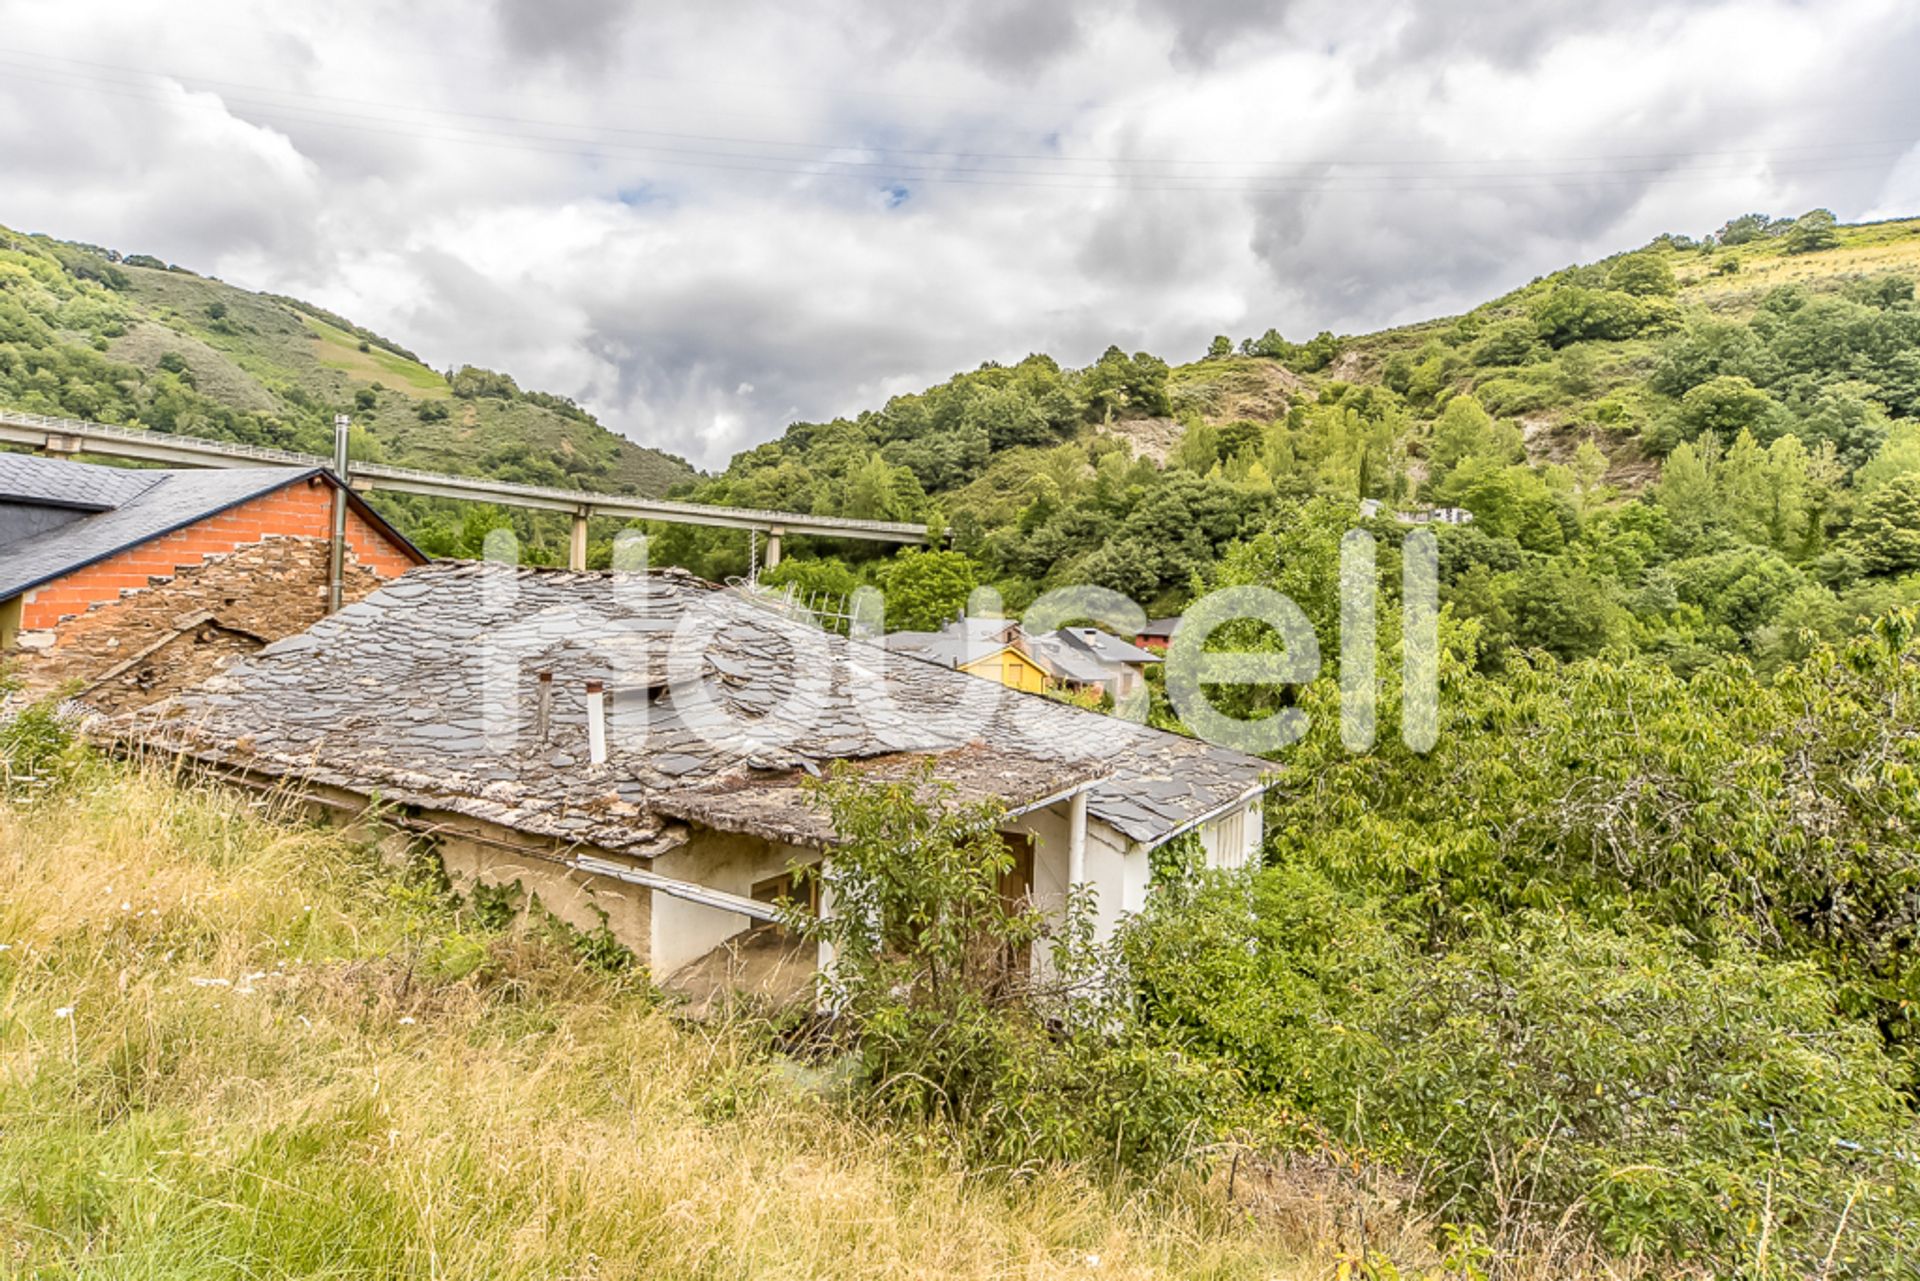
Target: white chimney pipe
{"type": "Point", "coordinates": [596, 723]}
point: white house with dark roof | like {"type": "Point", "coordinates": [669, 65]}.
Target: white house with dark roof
{"type": "Point", "coordinates": [634, 747]}
{"type": "Point", "coordinates": [1078, 659]}
{"type": "Point", "coordinates": [1087, 658]}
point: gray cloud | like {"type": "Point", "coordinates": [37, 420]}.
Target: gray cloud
{"type": "Point", "coordinates": [1019, 39]}
{"type": "Point", "coordinates": [1015, 36]}
{"type": "Point", "coordinates": [1204, 29]}
{"type": "Point", "coordinates": [581, 32]}
{"type": "Point", "coordinates": [619, 211]}
{"type": "Point", "coordinates": [1517, 35]}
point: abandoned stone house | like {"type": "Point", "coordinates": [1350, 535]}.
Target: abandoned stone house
{"type": "Point", "coordinates": [633, 749]}
{"type": "Point", "coordinates": [133, 583]}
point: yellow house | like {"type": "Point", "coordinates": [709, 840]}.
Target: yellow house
{"type": "Point", "coordinates": [992, 648]}
{"type": "Point", "coordinates": [1076, 659]}
{"type": "Point", "coordinates": [1010, 667]}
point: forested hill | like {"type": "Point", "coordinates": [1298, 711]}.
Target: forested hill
{"type": "Point", "coordinates": [88, 333]}
{"type": "Point", "coordinates": [1697, 447]}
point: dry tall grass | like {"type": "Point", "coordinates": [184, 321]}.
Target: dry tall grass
{"type": "Point", "coordinates": [233, 1047]}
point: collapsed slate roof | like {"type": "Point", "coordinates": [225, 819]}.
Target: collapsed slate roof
{"type": "Point", "coordinates": [429, 693]}
{"type": "Point", "coordinates": [82, 513]}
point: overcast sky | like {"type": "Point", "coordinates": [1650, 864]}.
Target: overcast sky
{"type": "Point", "coordinates": [706, 221]}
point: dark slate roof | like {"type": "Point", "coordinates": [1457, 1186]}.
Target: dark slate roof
{"type": "Point", "coordinates": [1106, 648]}
{"type": "Point", "coordinates": [1161, 627]}
{"type": "Point", "coordinates": [55, 482]}
{"type": "Point", "coordinates": [948, 648]}
{"type": "Point", "coordinates": [427, 693]}
{"type": "Point", "coordinates": [138, 506]}
{"type": "Point", "coordinates": [1069, 662]}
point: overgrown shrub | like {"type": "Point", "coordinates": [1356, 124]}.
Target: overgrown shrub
{"type": "Point", "coordinates": [1781, 812]}
{"type": "Point", "coordinates": [38, 748]}
{"type": "Point", "coordinates": [931, 978]}
{"type": "Point", "coordinates": [1544, 1071]}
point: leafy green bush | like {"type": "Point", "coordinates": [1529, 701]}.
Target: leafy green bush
{"type": "Point", "coordinates": [470, 381]}
{"type": "Point", "coordinates": [38, 748]}
{"type": "Point", "coordinates": [1681, 1106]}
{"type": "Point", "coordinates": [1779, 812]}
{"type": "Point", "coordinates": [825, 576]}
{"type": "Point", "coordinates": [1512, 342]}
{"type": "Point", "coordinates": [1543, 1071]}
{"type": "Point", "coordinates": [926, 589]}
{"type": "Point", "coordinates": [1510, 396]}
{"type": "Point", "coordinates": [1573, 313]}
{"type": "Point", "coordinates": [1887, 534]}
{"type": "Point", "coordinates": [1813, 231]}
{"type": "Point", "coordinates": [1645, 274]}
{"type": "Point", "coordinates": [931, 975]}
{"type": "Point", "coordinates": [1267, 971]}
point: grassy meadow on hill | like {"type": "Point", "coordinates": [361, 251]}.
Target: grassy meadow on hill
{"type": "Point", "coordinates": [231, 1047]}
{"type": "Point", "coordinates": [88, 333]}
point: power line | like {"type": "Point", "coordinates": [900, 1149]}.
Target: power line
{"type": "Point", "coordinates": [1825, 148]}
{"type": "Point", "coordinates": [1871, 154]}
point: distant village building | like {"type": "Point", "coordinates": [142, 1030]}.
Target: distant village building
{"type": "Point", "coordinates": [1436, 516]}
{"type": "Point", "coordinates": [1372, 507]}
{"type": "Point", "coordinates": [994, 648]}
{"type": "Point", "coordinates": [1157, 635]}
{"type": "Point", "coordinates": [1075, 659]}
{"type": "Point", "coordinates": [138, 582]}
{"type": "Point", "coordinates": [1086, 659]}
{"type": "Point", "coordinates": [545, 729]}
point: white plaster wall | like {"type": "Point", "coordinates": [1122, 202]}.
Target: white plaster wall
{"type": "Point", "coordinates": [574, 897]}
{"type": "Point", "coordinates": [1232, 841]}
{"type": "Point", "coordinates": [684, 932]}
{"type": "Point", "coordinates": [1117, 874]}
{"type": "Point", "coordinates": [1108, 869]}
{"type": "Point", "coordinates": [1048, 827]}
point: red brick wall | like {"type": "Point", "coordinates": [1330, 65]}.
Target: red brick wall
{"type": "Point", "coordinates": [235, 603]}
{"type": "Point", "coordinates": [299, 510]}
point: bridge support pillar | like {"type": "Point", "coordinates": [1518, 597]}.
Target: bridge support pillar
{"type": "Point", "coordinates": [577, 546]}
{"type": "Point", "coordinates": [773, 546]}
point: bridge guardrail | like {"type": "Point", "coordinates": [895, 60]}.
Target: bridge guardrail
{"type": "Point", "coordinates": [481, 487]}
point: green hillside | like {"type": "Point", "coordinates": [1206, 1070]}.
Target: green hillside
{"type": "Point", "coordinates": [88, 333]}
{"type": "Point", "coordinates": [1616, 976]}
{"type": "Point", "coordinates": [1702, 447]}
{"type": "Point", "coordinates": [1628, 952]}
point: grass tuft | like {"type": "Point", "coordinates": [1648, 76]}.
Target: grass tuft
{"type": "Point", "coordinates": [231, 1046]}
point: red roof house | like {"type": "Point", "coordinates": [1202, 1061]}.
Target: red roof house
{"type": "Point", "coordinates": [135, 583]}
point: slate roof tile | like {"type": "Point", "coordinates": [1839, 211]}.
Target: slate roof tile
{"type": "Point", "coordinates": [427, 693]}
{"type": "Point", "coordinates": [125, 508]}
